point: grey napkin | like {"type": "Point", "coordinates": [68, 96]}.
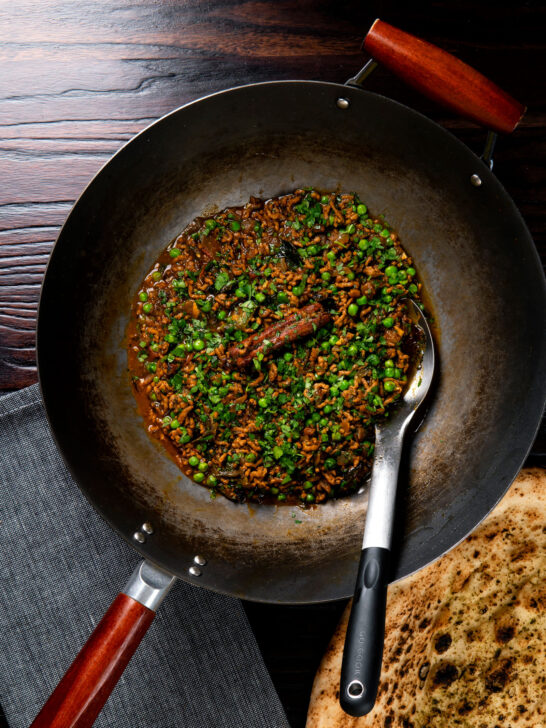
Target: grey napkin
{"type": "Point", "coordinates": [61, 565]}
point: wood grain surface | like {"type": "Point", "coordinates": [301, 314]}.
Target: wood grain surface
{"type": "Point", "coordinates": [77, 80]}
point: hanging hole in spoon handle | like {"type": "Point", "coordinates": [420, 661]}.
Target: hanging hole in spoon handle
{"type": "Point", "coordinates": [363, 652]}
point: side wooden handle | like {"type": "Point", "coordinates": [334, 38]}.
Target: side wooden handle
{"type": "Point", "coordinates": [79, 697]}
{"type": "Point", "coordinates": [443, 78]}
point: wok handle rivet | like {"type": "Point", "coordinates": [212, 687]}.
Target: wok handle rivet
{"type": "Point", "coordinates": [139, 536]}
{"type": "Point", "coordinates": [199, 560]}
{"type": "Point", "coordinates": [343, 103]}
{"type": "Point", "coordinates": [475, 180]}
{"type": "Point", "coordinates": [195, 571]}
{"type": "Point", "coordinates": [147, 528]}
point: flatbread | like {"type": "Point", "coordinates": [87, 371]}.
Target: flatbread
{"type": "Point", "coordinates": [465, 636]}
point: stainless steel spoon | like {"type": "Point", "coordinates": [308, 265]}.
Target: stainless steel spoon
{"type": "Point", "coordinates": [363, 652]}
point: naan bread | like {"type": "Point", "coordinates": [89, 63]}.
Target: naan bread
{"type": "Point", "coordinates": [465, 636]}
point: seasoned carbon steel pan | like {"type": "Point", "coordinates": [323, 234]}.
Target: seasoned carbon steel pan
{"type": "Point", "coordinates": [473, 253]}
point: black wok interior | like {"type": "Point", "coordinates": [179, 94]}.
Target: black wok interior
{"type": "Point", "coordinates": [472, 251]}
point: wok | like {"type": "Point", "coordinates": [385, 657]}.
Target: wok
{"type": "Point", "coordinates": [473, 253]}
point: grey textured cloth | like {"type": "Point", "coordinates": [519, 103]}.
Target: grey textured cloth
{"type": "Point", "coordinates": [61, 565]}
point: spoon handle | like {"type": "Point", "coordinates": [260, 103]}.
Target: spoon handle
{"type": "Point", "coordinates": [363, 652]}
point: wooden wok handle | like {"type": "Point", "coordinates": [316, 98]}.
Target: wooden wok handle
{"type": "Point", "coordinates": [80, 696]}
{"type": "Point", "coordinates": [443, 78]}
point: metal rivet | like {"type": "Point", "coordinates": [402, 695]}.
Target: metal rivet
{"type": "Point", "coordinates": [475, 180]}
{"type": "Point", "coordinates": [195, 571]}
{"type": "Point", "coordinates": [139, 536]}
{"type": "Point", "coordinates": [343, 103]}
{"type": "Point", "coordinates": [147, 528]}
{"type": "Point", "coordinates": [199, 560]}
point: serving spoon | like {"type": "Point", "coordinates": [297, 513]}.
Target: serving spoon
{"type": "Point", "coordinates": [363, 651]}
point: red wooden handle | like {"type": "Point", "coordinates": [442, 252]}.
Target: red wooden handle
{"type": "Point", "coordinates": [443, 78]}
{"type": "Point", "coordinates": [82, 692]}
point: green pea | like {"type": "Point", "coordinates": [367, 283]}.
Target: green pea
{"type": "Point", "coordinates": [352, 310]}
{"type": "Point", "coordinates": [352, 350]}
{"type": "Point", "coordinates": [389, 386]}
{"type": "Point", "coordinates": [203, 466]}
{"type": "Point", "coordinates": [362, 301]}
{"type": "Point", "coordinates": [251, 457]}
{"type": "Point", "coordinates": [156, 275]}
{"type": "Point", "coordinates": [350, 229]}
{"type": "Point", "coordinates": [388, 322]}
{"type": "Point", "coordinates": [325, 276]}
{"type": "Point", "coordinates": [174, 252]}
{"type": "Point", "coordinates": [397, 373]}
{"type": "Point", "coordinates": [350, 276]}
{"type": "Point", "coordinates": [193, 461]}
{"type": "Point", "coordinates": [283, 297]}
{"type": "Point", "coordinates": [170, 338]}
{"type": "Point", "coordinates": [287, 356]}
{"type": "Point", "coordinates": [361, 209]}
{"type": "Point", "coordinates": [262, 402]}
{"type": "Point", "coordinates": [387, 298]}
{"type": "Point", "coordinates": [389, 372]}
{"type": "Point", "coordinates": [334, 391]}
{"type": "Point", "coordinates": [235, 225]}
{"type": "Point", "coordinates": [333, 339]}
{"type": "Point", "coordinates": [212, 480]}
{"type": "Point", "coordinates": [385, 233]}
{"type": "Point", "coordinates": [411, 271]}
{"type": "Point", "coordinates": [393, 280]}
{"type": "Point", "coordinates": [143, 296]}
{"type": "Point", "coordinates": [336, 436]}
{"type": "Point", "coordinates": [344, 386]}
{"type": "Point", "coordinates": [199, 477]}
{"type": "Point", "coordinates": [307, 485]}
{"type": "Point", "coordinates": [388, 364]}
{"type": "Point", "coordinates": [391, 270]}
{"type": "Point", "coordinates": [274, 490]}
{"type": "Point", "coordinates": [362, 244]}
{"type": "Point", "coordinates": [325, 199]}
{"type": "Point", "coordinates": [147, 308]}
{"type": "Point", "coordinates": [412, 288]}
{"type": "Point", "coordinates": [221, 315]}
{"type": "Point", "coordinates": [175, 424]}
{"type": "Point", "coordinates": [312, 250]}
{"type": "Point", "coordinates": [281, 497]}
{"type": "Point", "coordinates": [260, 297]}
{"type": "Point", "coordinates": [298, 290]}
{"type": "Point", "coordinates": [331, 256]}
{"type": "Point", "coordinates": [325, 345]}
{"type": "Point", "coordinates": [185, 439]}
{"type": "Point", "coordinates": [240, 293]}
{"type": "Point", "coordinates": [153, 396]}
{"type": "Point", "coordinates": [198, 345]}
{"type": "Point", "coordinates": [151, 366]}
{"type": "Point", "coordinates": [373, 359]}
{"type": "Point", "coordinates": [206, 306]}
{"type": "Point", "coordinates": [310, 498]}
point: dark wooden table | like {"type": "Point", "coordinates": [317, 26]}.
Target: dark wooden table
{"type": "Point", "coordinates": [79, 79]}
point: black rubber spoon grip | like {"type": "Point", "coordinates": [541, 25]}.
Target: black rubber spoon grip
{"type": "Point", "coordinates": [363, 652]}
